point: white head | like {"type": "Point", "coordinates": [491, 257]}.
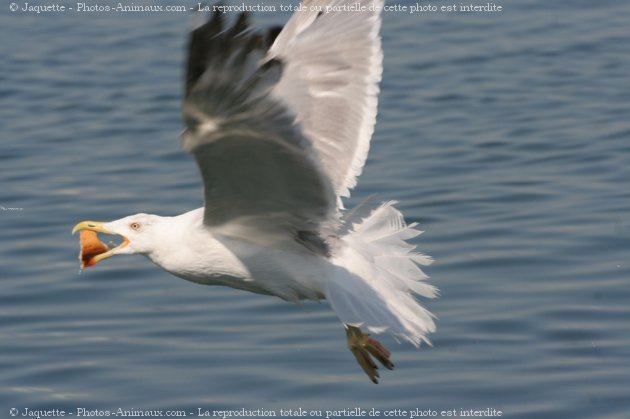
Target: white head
{"type": "Point", "coordinates": [139, 233]}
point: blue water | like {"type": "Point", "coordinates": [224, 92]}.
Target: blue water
{"type": "Point", "coordinates": [506, 135]}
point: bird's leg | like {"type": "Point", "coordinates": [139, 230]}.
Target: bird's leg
{"type": "Point", "coordinates": [362, 346]}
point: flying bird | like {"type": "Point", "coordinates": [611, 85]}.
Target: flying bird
{"type": "Point", "coordinates": [279, 123]}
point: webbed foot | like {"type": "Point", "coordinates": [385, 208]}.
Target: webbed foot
{"type": "Point", "coordinates": [363, 347]}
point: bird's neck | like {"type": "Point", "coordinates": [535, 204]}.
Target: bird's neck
{"type": "Point", "coordinates": [175, 236]}
{"type": "Point", "coordinates": [189, 250]}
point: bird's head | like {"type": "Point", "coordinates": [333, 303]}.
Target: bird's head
{"type": "Point", "coordinates": [138, 234]}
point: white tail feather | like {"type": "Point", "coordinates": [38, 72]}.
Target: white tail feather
{"type": "Point", "coordinates": [377, 271]}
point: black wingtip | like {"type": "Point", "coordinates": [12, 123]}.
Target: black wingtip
{"type": "Point", "coordinates": [241, 25]}
{"type": "Point", "coordinates": [200, 48]}
{"type": "Point", "coordinates": [209, 42]}
{"type": "Point", "coordinates": [272, 34]}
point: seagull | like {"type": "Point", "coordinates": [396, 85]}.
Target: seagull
{"type": "Point", "coordinates": [279, 122]}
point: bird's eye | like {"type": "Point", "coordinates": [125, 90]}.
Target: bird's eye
{"type": "Point", "coordinates": [135, 226]}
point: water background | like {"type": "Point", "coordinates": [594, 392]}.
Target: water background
{"type": "Point", "coordinates": [506, 135]}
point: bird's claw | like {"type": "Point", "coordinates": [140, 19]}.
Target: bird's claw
{"type": "Point", "coordinates": [362, 346]}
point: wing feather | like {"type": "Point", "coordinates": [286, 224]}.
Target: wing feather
{"type": "Point", "coordinates": [332, 67]}
{"type": "Point", "coordinates": [258, 168]}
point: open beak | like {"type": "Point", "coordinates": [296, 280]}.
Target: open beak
{"type": "Point", "coordinates": [92, 249]}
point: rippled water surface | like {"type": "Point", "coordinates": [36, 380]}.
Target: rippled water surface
{"type": "Point", "coordinates": [506, 135]}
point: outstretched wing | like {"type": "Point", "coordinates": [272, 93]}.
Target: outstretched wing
{"type": "Point", "coordinates": [258, 168]}
{"type": "Point", "coordinates": [332, 65]}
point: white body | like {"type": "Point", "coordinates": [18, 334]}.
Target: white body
{"type": "Point", "coordinates": [368, 278]}
{"type": "Point", "coordinates": [291, 272]}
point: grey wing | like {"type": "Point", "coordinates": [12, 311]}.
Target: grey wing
{"type": "Point", "coordinates": [258, 169]}
{"type": "Point", "coordinates": [332, 66]}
